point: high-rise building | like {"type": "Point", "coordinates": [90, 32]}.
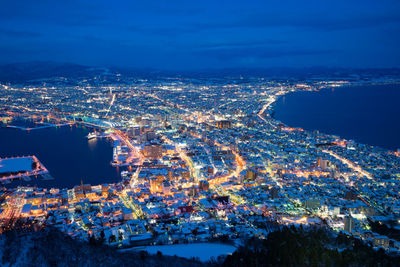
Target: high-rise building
{"type": "Point", "coordinates": [348, 223]}
{"type": "Point", "coordinates": [323, 164]}
{"type": "Point", "coordinates": [133, 131]}
{"type": "Point", "coordinates": [147, 136]}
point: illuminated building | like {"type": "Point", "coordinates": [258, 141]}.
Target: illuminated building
{"type": "Point", "coordinates": [155, 184]}
{"type": "Point", "coordinates": [166, 187]}
{"type": "Point", "coordinates": [381, 241]}
{"type": "Point", "coordinates": [224, 124]}
{"type": "Point", "coordinates": [83, 187]}
{"type": "Point", "coordinates": [152, 151]}
{"type": "Point", "coordinates": [133, 131]}
{"type": "Point", "coordinates": [323, 164]}
{"type": "Point", "coordinates": [147, 136]}
{"type": "Point", "coordinates": [251, 174]}
{"type": "Point", "coordinates": [128, 214]}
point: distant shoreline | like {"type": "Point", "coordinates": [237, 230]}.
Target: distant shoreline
{"type": "Point", "coordinates": [272, 109]}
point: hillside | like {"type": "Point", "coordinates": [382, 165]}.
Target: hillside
{"type": "Point", "coordinates": [50, 247]}
{"type": "Point", "coordinates": [309, 247]}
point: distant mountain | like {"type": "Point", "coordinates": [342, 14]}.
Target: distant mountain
{"type": "Point", "coordinates": [29, 71]}
{"type": "Point", "coordinates": [271, 72]}
{"type": "Point", "coordinates": [295, 73]}
{"type": "Point", "coordinates": [21, 72]}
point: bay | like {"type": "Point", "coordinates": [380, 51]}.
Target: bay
{"type": "Point", "coordinates": [368, 114]}
{"type": "Point", "coordinates": [65, 151]}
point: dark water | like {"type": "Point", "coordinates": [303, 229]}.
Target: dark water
{"type": "Point", "coordinates": [368, 114]}
{"type": "Point", "coordinates": [65, 152]}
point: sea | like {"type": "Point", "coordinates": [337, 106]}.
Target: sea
{"type": "Point", "coordinates": [368, 114]}
{"type": "Point", "coordinates": [66, 153]}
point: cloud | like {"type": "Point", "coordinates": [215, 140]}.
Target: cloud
{"type": "Point", "coordinates": [265, 21]}
{"type": "Point", "coordinates": [218, 46]}
{"type": "Point", "coordinates": [18, 34]}
{"type": "Point", "coordinates": [314, 22]}
{"type": "Point", "coordinates": [168, 32]}
{"type": "Point", "coordinates": [259, 52]}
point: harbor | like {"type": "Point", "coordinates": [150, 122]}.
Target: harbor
{"type": "Point", "coordinates": [22, 168]}
{"type": "Point", "coordinates": [66, 152]}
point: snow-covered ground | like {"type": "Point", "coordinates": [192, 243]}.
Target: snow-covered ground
{"type": "Point", "coordinates": [22, 164]}
{"type": "Point", "coordinates": [203, 251]}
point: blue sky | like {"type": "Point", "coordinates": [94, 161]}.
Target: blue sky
{"type": "Point", "coordinates": [194, 34]}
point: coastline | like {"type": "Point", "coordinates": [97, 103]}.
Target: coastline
{"type": "Point", "coordinates": [297, 171]}
{"type": "Point", "coordinates": [77, 153]}
{"type": "Point", "coordinates": [270, 111]}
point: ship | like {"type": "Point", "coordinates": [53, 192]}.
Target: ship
{"type": "Point", "coordinates": [93, 135]}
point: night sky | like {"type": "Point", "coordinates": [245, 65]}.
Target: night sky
{"type": "Point", "coordinates": [199, 34]}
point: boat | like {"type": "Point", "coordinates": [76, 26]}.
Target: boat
{"type": "Point", "coordinates": [124, 173]}
{"type": "Point", "coordinates": [93, 135]}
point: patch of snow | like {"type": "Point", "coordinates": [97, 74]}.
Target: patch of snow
{"type": "Point", "coordinates": [202, 251]}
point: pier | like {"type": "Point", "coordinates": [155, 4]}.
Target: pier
{"type": "Point", "coordinates": [47, 125]}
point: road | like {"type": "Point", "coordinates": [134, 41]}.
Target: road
{"type": "Point", "coordinates": [350, 164]}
